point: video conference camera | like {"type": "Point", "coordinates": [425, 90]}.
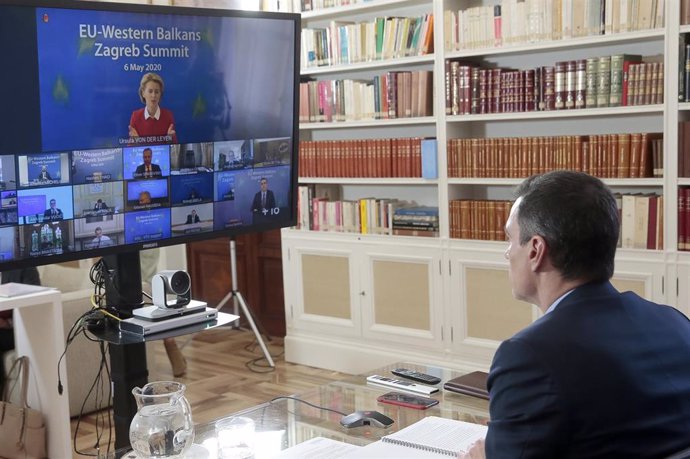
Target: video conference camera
{"type": "Point", "coordinates": [172, 296]}
{"type": "Point", "coordinates": [171, 282]}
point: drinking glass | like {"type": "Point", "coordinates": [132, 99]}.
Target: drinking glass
{"type": "Point", "coordinates": [235, 438]}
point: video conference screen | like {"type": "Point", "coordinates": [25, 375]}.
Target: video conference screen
{"type": "Point", "coordinates": [136, 126]}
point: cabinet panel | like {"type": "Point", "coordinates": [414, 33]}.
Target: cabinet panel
{"type": "Point", "coordinates": [642, 273]}
{"type": "Point", "coordinates": [322, 296]}
{"type": "Point", "coordinates": [403, 296]}
{"type": "Point", "coordinates": [326, 285]}
{"type": "Point", "coordinates": [492, 312]}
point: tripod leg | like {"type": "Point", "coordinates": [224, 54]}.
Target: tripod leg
{"type": "Point", "coordinates": [218, 307]}
{"type": "Point", "coordinates": [247, 313]}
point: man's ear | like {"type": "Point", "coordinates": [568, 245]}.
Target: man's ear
{"type": "Point", "coordinates": [538, 252]}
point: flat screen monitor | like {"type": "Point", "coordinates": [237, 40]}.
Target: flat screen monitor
{"type": "Point", "coordinates": [127, 127]}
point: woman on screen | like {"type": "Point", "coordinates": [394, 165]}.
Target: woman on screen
{"type": "Point", "coordinates": [152, 120]}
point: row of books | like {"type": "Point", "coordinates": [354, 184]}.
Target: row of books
{"type": "Point", "coordinates": [635, 155]}
{"type": "Point", "coordinates": [479, 219]}
{"type": "Point", "coordinates": [642, 221]}
{"type": "Point", "coordinates": [401, 157]}
{"type": "Point", "coordinates": [641, 217]}
{"type": "Point", "coordinates": [514, 22]}
{"type": "Point", "coordinates": [684, 218]}
{"type": "Point", "coordinates": [397, 94]}
{"type": "Point", "coordinates": [364, 216]}
{"type": "Point", "coordinates": [383, 38]}
{"type": "Point", "coordinates": [606, 81]}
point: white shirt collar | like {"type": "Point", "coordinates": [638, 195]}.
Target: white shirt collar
{"type": "Point", "coordinates": [557, 302]}
{"type": "Point", "coordinates": [156, 115]}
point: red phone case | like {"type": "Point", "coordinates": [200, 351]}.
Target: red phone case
{"type": "Point", "coordinates": [408, 404]}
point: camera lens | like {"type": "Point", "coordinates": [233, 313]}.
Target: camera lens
{"type": "Point", "coordinates": [179, 283]}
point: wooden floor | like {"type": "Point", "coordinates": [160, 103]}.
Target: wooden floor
{"type": "Point", "coordinates": [217, 379]}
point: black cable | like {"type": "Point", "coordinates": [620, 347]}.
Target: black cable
{"type": "Point", "coordinates": [310, 404]}
{"type": "Point", "coordinates": [252, 364]}
{"type": "Point", "coordinates": [98, 275]}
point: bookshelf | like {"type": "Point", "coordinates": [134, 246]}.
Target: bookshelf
{"type": "Point", "coordinates": [371, 299]}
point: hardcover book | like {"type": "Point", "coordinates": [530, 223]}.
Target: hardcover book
{"type": "Point", "coordinates": [473, 384]}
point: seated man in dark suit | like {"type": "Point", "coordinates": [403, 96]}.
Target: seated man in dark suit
{"type": "Point", "coordinates": [44, 174]}
{"type": "Point", "coordinates": [100, 205]}
{"type": "Point", "coordinates": [192, 218]}
{"type": "Point", "coordinates": [602, 374]}
{"type": "Point", "coordinates": [147, 169]}
{"type": "Point", "coordinates": [53, 213]}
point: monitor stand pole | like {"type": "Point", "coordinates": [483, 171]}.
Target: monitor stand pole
{"type": "Point", "coordinates": [237, 296]}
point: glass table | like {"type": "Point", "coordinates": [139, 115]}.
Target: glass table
{"type": "Point", "coordinates": [286, 422]}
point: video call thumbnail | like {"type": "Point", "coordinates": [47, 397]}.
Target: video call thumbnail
{"type": "Point", "coordinates": [45, 204]}
{"type": "Point", "coordinates": [264, 194]}
{"type": "Point", "coordinates": [8, 243]}
{"type": "Point", "coordinates": [191, 189]}
{"type": "Point", "coordinates": [97, 199]}
{"type": "Point", "coordinates": [272, 152]}
{"type": "Point", "coordinates": [46, 238]}
{"type": "Point", "coordinates": [96, 166]}
{"type": "Point", "coordinates": [8, 179]}
{"type": "Point", "coordinates": [146, 162]}
{"type": "Point", "coordinates": [8, 208]}
{"type": "Point", "coordinates": [148, 225]}
{"type": "Point", "coordinates": [99, 232]}
{"type": "Point", "coordinates": [147, 194]}
{"type": "Point", "coordinates": [191, 219]}
{"type": "Point", "coordinates": [8, 240]}
{"type": "Point", "coordinates": [227, 215]}
{"type": "Point", "coordinates": [232, 154]}
{"type": "Point", "coordinates": [191, 158]}
{"type": "Point", "coordinates": [225, 186]}
{"type": "Point", "coordinates": [43, 169]}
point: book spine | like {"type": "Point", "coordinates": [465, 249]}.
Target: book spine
{"type": "Point", "coordinates": [559, 86]}
{"type": "Point", "coordinates": [529, 98]}
{"type": "Point", "coordinates": [604, 81]}
{"type": "Point", "coordinates": [580, 83]}
{"type": "Point", "coordinates": [495, 101]}
{"type": "Point", "coordinates": [591, 82]}
{"type": "Point", "coordinates": [549, 93]}
{"type": "Point", "coordinates": [569, 99]}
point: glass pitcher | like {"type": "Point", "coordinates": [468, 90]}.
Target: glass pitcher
{"type": "Point", "coordinates": [163, 424]}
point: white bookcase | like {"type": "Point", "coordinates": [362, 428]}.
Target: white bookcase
{"type": "Point", "coordinates": [354, 302]}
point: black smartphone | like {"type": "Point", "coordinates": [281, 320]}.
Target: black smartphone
{"type": "Point", "coordinates": [407, 400]}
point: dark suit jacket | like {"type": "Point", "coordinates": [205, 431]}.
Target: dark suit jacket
{"type": "Point", "coordinates": [270, 201]}
{"type": "Point", "coordinates": [47, 215]}
{"type": "Point", "coordinates": [101, 206]}
{"type": "Point", "coordinates": [44, 175]}
{"type": "Point", "coordinates": [141, 169]}
{"type": "Point", "coordinates": [191, 220]}
{"type": "Point", "coordinates": [604, 375]}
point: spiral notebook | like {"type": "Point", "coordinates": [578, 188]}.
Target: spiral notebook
{"type": "Point", "coordinates": [430, 438]}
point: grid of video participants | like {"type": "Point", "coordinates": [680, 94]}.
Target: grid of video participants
{"type": "Point", "coordinates": [60, 202]}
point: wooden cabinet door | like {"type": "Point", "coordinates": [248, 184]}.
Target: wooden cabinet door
{"type": "Point", "coordinates": [259, 275]}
